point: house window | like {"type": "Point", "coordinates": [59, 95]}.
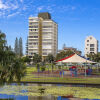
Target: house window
{"type": "Point", "coordinates": [91, 45]}
{"type": "Point", "coordinates": [91, 52]}
{"type": "Point", "coordinates": [91, 49]}
{"type": "Point", "coordinates": [87, 40]}
{"type": "Point", "coordinates": [90, 38]}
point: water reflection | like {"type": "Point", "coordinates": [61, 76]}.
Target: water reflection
{"type": "Point", "coordinates": [42, 98]}
{"type": "Point", "coordinates": [7, 99]}
{"type": "Point", "coordinates": [45, 92]}
{"type": "Point", "coordinates": [12, 97]}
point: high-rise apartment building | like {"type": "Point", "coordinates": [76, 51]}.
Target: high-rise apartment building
{"type": "Point", "coordinates": [91, 45]}
{"type": "Point", "coordinates": [43, 35]}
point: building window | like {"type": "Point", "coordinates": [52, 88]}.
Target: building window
{"type": "Point", "coordinates": [47, 26]}
{"type": "Point", "coordinates": [45, 54]}
{"type": "Point", "coordinates": [87, 44]}
{"type": "Point", "coordinates": [87, 40]}
{"type": "Point", "coordinates": [90, 38]}
{"type": "Point", "coordinates": [91, 45]}
{"type": "Point", "coordinates": [91, 49]}
{"type": "Point", "coordinates": [30, 23]}
{"type": "Point", "coordinates": [35, 36]}
{"type": "Point", "coordinates": [33, 26]}
{"type": "Point", "coordinates": [91, 52]}
{"type": "Point", "coordinates": [30, 36]}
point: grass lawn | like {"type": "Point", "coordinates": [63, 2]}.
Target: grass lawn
{"type": "Point", "coordinates": [33, 78]}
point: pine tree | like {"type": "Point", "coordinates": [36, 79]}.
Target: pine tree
{"type": "Point", "coordinates": [64, 45]}
{"type": "Point", "coordinates": [20, 47]}
{"type": "Point", "coordinates": [16, 49]}
{"type": "Point", "coordinates": [27, 46]}
{"type": "Point", "coordinates": [9, 47]}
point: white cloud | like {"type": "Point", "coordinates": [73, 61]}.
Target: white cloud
{"type": "Point", "coordinates": [21, 0]}
{"type": "Point", "coordinates": [40, 8]}
{"type": "Point", "coordinates": [8, 5]}
{"type": "Point", "coordinates": [50, 9]}
{"type": "Point", "coordinates": [10, 8]}
{"type": "Point", "coordinates": [2, 13]}
{"type": "Point", "coordinates": [13, 14]}
{"type": "Point", "coordinates": [14, 6]}
{"type": "Point", "coordinates": [3, 6]}
{"type": "Point", "coordinates": [73, 8]}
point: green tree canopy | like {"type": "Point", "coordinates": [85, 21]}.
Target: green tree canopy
{"type": "Point", "coordinates": [50, 58]}
{"type": "Point", "coordinates": [2, 40]}
{"type": "Point", "coordinates": [26, 59]}
{"type": "Point", "coordinates": [16, 49]}
{"type": "Point", "coordinates": [20, 47]}
{"type": "Point", "coordinates": [94, 57]}
{"type": "Point", "coordinates": [37, 58]}
{"type": "Point", "coordinates": [11, 67]}
{"type": "Point", "coordinates": [63, 54]}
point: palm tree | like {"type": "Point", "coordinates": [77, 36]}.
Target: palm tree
{"type": "Point", "coordinates": [12, 72]}
{"type": "Point", "coordinates": [11, 67]}
{"type": "Point", "coordinates": [19, 69]}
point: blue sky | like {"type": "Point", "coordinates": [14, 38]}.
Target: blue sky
{"type": "Point", "coordinates": [76, 19]}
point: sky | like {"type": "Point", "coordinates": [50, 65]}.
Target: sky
{"type": "Point", "coordinates": [76, 19]}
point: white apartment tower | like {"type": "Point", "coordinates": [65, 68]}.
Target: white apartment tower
{"type": "Point", "coordinates": [91, 45]}
{"type": "Point", "coordinates": [43, 35]}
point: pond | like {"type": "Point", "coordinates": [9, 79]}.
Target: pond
{"type": "Point", "coordinates": [48, 92]}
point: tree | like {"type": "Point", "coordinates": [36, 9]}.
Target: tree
{"type": "Point", "coordinates": [2, 48]}
{"type": "Point", "coordinates": [20, 47]}
{"type": "Point", "coordinates": [10, 48]}
{"type": "Point", "coordinates": [11, 67]}
{"type": "Point", "coordinates": [50, 58]}
{"type": "Point", "coordinates": [37, 58]}
{"type": "Point", "coordinates": [26, 59]}
{"type": "Point", "coordinates": [94, 57]}
{"type": "Point", "coordinates": [12, 72]}
{"type": "Point", "coordinates": [27, 47]}
{"type": "Point", "coordinates": [16, 49]}
{"type": "Point", "coordinates": [19, 69]}
{"type": "Point", "coordinates": [64, 45]}
{"type": "Point", "coordinates": [2, 40]}
{"type": "Point", "coordinates": [64, 54]}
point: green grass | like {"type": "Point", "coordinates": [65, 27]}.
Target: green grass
{"type": "Point", "coordinates": [33, 78]}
